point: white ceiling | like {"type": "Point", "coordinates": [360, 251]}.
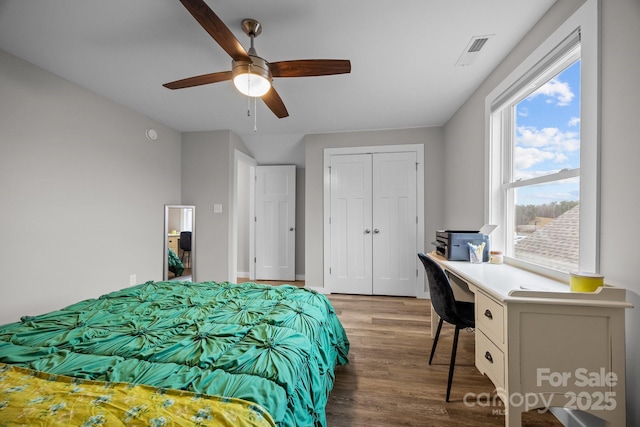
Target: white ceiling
{"type": "Point", "coordinates": [402, 57]}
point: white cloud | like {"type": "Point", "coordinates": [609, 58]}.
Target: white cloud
{"type": "Point", "coordinates": [535, 146]}
{"type": "Point", "coordinates": [574, 121]}
{"type": "Point", "coordinates": [527, 157]}
{"type": "Point", "coordinates": [559, 92]}
{"type": "Point", "coordinates": [547, 138]}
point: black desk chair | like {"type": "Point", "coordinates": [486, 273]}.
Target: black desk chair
{"type": "Point", "coordinates": [185, 245]}
{"type": "Point", "coordinates": [458, 313]}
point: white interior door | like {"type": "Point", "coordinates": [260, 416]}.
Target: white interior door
{"type": "Point", "coordinates": [275, 222]}
{"type": "Point", "coordinates": [373, 222]}
{"type": "Point", "coordinates": [394, 224]}
{"type": "Point", "coordinates": [351, 224]}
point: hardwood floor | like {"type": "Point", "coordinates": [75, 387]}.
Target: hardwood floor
{"type": "Point", "coordinates": [389, 381]}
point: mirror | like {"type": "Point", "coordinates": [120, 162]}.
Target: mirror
{"type": "Point", "coordinates": [179, 242]}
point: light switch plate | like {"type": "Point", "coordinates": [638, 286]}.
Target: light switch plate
{"type": "Point", "coordinates": [217, 208]}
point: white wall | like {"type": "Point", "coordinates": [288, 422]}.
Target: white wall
{"type": "Point", "coordinates": [174, 221]}
{"type": "Point", "coordinates": [82, 192]}
{"type": "Point", "coordinates": [620, 151]}
{"type": "Point", "coordinates": [432, 138]}
{"type": "Point", "coordinates": [300, 223]}
{"type": "Point", "coordinates": [620, 173]}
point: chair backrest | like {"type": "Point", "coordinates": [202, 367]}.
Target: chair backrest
{"type": "Point", "coordinates": [442, 298]}
{"type": "Point", "coordinates": [185, 240]}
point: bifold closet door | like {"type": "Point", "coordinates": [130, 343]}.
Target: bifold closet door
{"type": "Point", "coordinates": [373, 224]}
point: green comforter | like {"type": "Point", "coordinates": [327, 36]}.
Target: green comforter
{"type": "Point", "coordinates": [175, 265]}
{"type": "Point", "coordinates": [275, 346]}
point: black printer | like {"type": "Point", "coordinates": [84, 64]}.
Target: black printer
{"type": "Point", "coordinates": [452, 244]}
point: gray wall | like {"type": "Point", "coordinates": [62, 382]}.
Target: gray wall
{"type": "Point", "coordinates": [207, 168]}
{"type": "Point", "coordinates": [432, 138]}
{"type": "Point", "coordinates": [620, 151]}
{"type": "Point", "coordinates": [82, 192]}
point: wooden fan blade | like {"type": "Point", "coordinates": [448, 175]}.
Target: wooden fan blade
{"type": "Point", "coordinates": [204, 79]}
{"type": "Point", "coordinates": [275, 104]}
{"type": "Point", "coordinates": [310, 67]}
{"type": "Point", "coordinates": [216, 28]}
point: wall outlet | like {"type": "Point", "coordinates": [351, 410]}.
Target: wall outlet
{"type": "Point", "coordinates": [132, 280]}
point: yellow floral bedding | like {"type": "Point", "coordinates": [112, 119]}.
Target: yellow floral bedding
{"type": "Point", "coordinates": [33, 398]}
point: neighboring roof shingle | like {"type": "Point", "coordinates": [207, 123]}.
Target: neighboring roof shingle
{"type": "Point", "coordinates": [555, 245]}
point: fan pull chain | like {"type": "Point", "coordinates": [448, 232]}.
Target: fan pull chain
{"type": "Point", "coordinates": [255, 114]}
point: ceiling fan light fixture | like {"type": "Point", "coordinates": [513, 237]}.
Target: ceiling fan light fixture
{"type": "Point", "coordinates": [252, 78]}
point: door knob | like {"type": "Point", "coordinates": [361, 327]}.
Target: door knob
{"type": "Point", "coordinates": [367, 231]}
{"type": "Point", "coordinates": [376, 231]}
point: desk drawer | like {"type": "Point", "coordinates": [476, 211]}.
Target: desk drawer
{"type": "Point", "coordinates": [172, 242]}
{"type": "Point", "coordinates": [490, 317]}
{"type": "Point", "coordinates": [489, 359]}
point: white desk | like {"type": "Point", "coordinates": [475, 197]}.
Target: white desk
{"type": "Point", "coordinates": [544, 346]}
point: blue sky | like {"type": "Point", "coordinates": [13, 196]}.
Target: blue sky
{"type": "Point", "coordinates": [548, 137]}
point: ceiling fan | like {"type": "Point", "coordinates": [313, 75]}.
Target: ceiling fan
{"type": "Point", "coordinates": [251, 74]}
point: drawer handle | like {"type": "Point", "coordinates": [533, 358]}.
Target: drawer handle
{"type": "Point", "coordinates": [488, 314]}
{"type": "Point", "coordinates": [488, 356]}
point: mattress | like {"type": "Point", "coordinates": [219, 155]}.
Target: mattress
{"type": "Point", "coordinates": [276, 347]}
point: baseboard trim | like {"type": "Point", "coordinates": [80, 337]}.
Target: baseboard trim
{"type": "Point", "coordinates": [323, 291]}
{"type": "Point", "coordinates": [299, 277]}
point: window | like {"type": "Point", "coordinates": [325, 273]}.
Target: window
{"type": "Point", "coordinates": [186, 220]}
{"type": "Point", "coordinates": [542, 154]}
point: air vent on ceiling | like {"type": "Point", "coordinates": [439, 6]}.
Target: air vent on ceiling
{"type": "Point", "coordinates": [471, 51]}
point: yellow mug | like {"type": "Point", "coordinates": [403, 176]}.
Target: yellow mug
{"type": "Point", "coordinates": [585, 282]}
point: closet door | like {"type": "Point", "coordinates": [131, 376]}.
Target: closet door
{"type": "Point", "coordinates": [351, 224]}
{"type": "Point", "coordinates": [373, 224]}
{"type": "Point", "coordinates": [394, 224]}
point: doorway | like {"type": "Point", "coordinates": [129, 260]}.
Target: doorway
{"type": "Point", "coordinates": [179, 243]}
{"type": "Point", "coordinates": [266, 185]}
{"type": "Point", "coordinates": [242, 247]}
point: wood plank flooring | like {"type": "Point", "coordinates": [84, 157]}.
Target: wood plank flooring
{"type": "Point", "coordinates": [389, 381]}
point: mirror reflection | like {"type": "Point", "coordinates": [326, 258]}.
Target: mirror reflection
{"type": "Point", "coordinates": [179, 240]}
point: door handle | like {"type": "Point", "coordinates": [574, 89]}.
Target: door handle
{"type": "Point", "coordinates": [367, 231]}
{"type": "Point", "coordinates": [376, 231]}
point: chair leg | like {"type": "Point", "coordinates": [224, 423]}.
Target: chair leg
{"type": "Point", "coordinates": [453, 361]}
{"type": "Point", "coordinates": [435, 341]}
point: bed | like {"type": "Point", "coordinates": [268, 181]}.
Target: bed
{"type": "Point", "coordinates": [271, 350]}
{"type": "Point", "coordinates": [175, 264]}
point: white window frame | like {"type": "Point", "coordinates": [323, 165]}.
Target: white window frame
{"type": "Point", "coordinates": [586, 21]}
